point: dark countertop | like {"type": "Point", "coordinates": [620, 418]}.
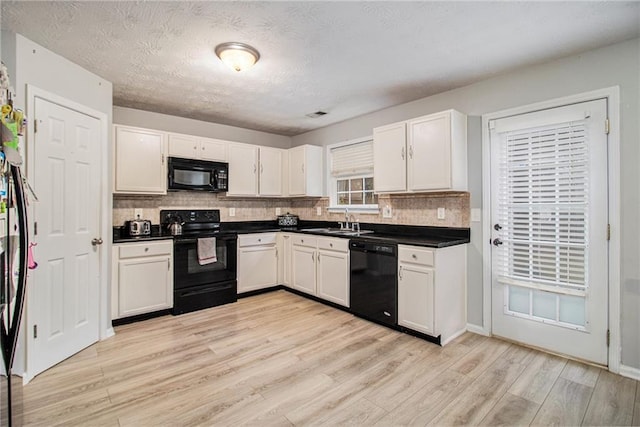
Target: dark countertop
{"type": "Point", "coordinates": [431, 237]}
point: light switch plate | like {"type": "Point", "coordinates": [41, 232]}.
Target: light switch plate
{"type": "Point", "coordinates": [441, 213]}
{"type": "Point", "coordinates": [278, 211]}
{"type": "Point", "coordinates": [137, 213]}
{"type": "Point", "coordinates": [232, 211]}
{"type": "Point", "coordinates": [387, 212]}
{"type": "Point", "coordinates": [476, 215]}
{"type": "Point", "coordinates": [319, 211]}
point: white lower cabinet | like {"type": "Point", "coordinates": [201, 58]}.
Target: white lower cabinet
{"type": "Point", "coordinates": [257, 261]}
{"type": "Point", "coordinates": [432, 290]}
{"type": "Point", "coordinates": [320, 266]}
{"type": "Point", "coordinates": [333, 270]}
{"type": "Point", "coordinates": [142, 279]}
{"type": "Point", "coordinates": [303, 264]}
{"type": "Point", "coordinates": [284, 260]}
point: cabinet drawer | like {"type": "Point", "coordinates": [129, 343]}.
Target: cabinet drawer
{"type": "Point", "coordinates": [304, 240]}
{"type": "Point", "coordinates": [341, 245]}
{"type": "Point", "coordinates": [415, 255]}
{"type": "Point", "coordinates": [256, 239]}
{"type": "Point", "coordinates": [146, 249]}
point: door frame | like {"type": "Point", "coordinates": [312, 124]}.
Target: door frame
{"type": "Point", "coordinates": [104, 261]}
{"type": "Point", "coordinates": [612, 95]}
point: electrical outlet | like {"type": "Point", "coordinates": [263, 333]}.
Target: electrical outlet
{"type": "Point", "coordinates": [440, 213]}
{"type": "Point", "coordinates": [319, 211]}
{"type": "Point", "coordinates": [232, 211]}
{"type": "Point", "coordinates": [387, 212]}
{"type": "Point", "coordinates": [476, 215]}
{"type": "Point", "coordinates": [137, 213]}
{"type": "Point", "coordinates": [278, 211]}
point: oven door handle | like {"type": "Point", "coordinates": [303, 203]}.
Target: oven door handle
{"type": "Point", "coordinates": [225, 238]}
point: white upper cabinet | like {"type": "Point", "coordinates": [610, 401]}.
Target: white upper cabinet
{"type": "Point", "coordinates": [271, 164]}
{"type": "Point", "coordinates": [193, 147]}
{"type": "Point", "coordinates": [243, 170]}
{"type": "Point", "coordinates": [305, 170]}
{"type": "Point", "coordinates": [255, 171]}
{"type": "Point", "coordinates": [140, 161]}
{"type": "Point", "coordinates": [390, 158]}
{"type": "Point", "coordinates": [423, 154]}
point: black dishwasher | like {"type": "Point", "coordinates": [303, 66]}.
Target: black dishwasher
{"type": "Point", "coordinates": [374, 283]}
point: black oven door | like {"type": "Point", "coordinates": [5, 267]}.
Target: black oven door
{"type": "Point", "coordinates": [189, 273]}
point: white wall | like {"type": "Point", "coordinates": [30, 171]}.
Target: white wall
{"type": "Point", "coordinates": [616, 65]}
{"type": "Point", "coordinates": [147, 119]}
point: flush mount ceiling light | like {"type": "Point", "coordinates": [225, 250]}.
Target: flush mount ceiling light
{"type": "Point", "coordinates": [238, 56]}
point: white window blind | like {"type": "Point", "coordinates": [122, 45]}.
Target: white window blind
{"type": "Point", "coordinates": [353, 159]}
{"type": "Point", "coordinates": [543, 207]}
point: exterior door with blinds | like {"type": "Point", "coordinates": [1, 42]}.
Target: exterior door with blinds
{"type": "Point", "coordinates": [549, 238]}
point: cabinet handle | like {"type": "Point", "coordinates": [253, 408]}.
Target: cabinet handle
{"type": "Point", "coordinates": [261, 168]}
{"type": "Point", "coordinates": [195, 147]}
{"type": "Point", "coordinates": [276, 252]}
{"type": "Point", "coordinates": [402, 153]}
{"type": "Point", "coordinates": [411, 151]}
{"type": "Point", "coordinates": [400, 273]}
{"type": "Point", "coordinates": [168, 265]}
{"type": "Point", "coordinates": [163, 159]}
{"type": "Point", "coordinates": [312, 257]}
{"type": "Point", "coordinates": [318, 257]}
{"type": "Point", "coordinates": [254, 168]}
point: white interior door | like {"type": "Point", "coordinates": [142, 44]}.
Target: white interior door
{"type": "Point", "coordinates": [550, 219]}
{"type": "Point", "coordinates": [65, 286]}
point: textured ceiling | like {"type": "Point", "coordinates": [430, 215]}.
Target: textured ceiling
{"type": "Point", "coordinates": [346, 58]}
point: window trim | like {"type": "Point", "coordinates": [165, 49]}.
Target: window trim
{"type": "Point", "coordinates": [331, 181]}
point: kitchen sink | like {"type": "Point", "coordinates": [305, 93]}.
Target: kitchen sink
{"type": "Point", "coordinates": [338, 231]}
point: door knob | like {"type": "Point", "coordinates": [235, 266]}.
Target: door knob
{"type": "Point", "coordinates": [97, 241]}
{"type": "Point", "coordinates": [497, 242]}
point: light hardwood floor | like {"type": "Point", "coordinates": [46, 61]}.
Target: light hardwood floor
{"type": "Point", "coordinates": [280, 359]}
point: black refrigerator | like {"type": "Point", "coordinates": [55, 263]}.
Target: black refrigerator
{"type": "Point", "coordinates": [14, 244]}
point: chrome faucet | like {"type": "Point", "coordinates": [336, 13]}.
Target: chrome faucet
{"type": "Point", "coordinates": [346, 220]}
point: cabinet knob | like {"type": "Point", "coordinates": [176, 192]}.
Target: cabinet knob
{"type": "Point", "coordinates": [414, 256]}
{"type": "Point", "coordinates": [330, 245]}
{"type": "Point", "coordinates": [146, 249]}
{"type": "Point", "coordinates": [259, 240]}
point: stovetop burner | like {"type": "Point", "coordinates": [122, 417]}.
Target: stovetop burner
{"type": "Point", "coordinates": [195, 222]}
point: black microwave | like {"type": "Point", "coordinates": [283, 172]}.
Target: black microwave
{"type": "Point", "coordinates": [199, 175]}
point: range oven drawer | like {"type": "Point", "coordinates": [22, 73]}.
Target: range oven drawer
{"type": "Point", "coordinates": [205, 296]}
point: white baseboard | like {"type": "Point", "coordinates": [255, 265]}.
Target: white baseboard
{"type": "Point", "coordinates": [476, 329]}
{"type": "Point", "coordinates": [453, 337]}
{"type": "Point", "coordinates": [108, 333]}
{"type": "Point", "coordinates": [629, 372]}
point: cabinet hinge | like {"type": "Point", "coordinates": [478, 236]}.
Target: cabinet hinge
{"type": "Point", "coordinates": [35, 331]}
{"type": "Point", "coordinates": [608, 231]}
{"type": "Point", "coordinates": [608, 337]}
{"type": "Point", "coordinates": [606, 126]}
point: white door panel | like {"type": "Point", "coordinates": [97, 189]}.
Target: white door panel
{"type": "Point", "coordinates": [549, 218]}
{"type": "Point", "coordinates": [65, 286]}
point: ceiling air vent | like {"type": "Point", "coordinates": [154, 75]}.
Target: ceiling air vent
{"type": "Point", "coordinates": [316, 114]}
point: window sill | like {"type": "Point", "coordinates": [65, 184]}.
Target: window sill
{"type": "Point", "coordinates": [352, 209]}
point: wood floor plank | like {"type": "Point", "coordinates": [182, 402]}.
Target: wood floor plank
{"type": "Point", "coordinates": [536, 381]}
{"type": "Point", "coordinates": [565, 405]}
{"type": "Point", "coordinates": [612, 401]}
{"type": "Point", "coordinates": [511, 410]}
{"type": "Point", "coordinates": [423, 405]}
{"type": "Point", "coordinates": [636, 409]}
{"type": "Point", "coordinates": [581, 373]}
{"type": "Point", "coordinates": [280, 359]}
{"type": "Point", "coordinates": [475, 402]}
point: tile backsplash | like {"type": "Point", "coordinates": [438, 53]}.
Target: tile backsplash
{"type": "Point", "coordinates": [407, 209]}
